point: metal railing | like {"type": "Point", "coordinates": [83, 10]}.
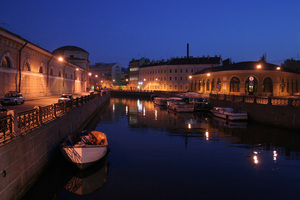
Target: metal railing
{"type": "Point", "coordinates": [275, 101]}
{"type": "Point", "coordinates": [23, 122]}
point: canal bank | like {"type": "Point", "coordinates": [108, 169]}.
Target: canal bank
{"type": "Point", "coordinates": [274, 111]}
{"type": "Point", "coordinates": [25, 156]}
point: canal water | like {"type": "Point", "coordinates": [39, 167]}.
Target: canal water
{"type": "Point", "coordinates": [156, 154]}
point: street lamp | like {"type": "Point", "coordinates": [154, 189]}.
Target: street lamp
{"type": "Point", "coordinates": [258, 66]}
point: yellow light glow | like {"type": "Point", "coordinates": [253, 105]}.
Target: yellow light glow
{"type": "Point", "coordinates": [101, 81]}
{"type": "Point", "coordinates": [114, 80]}
{"type": "Point", "coordinates": [77, 69]}
{"type": "Point", "coordinates": [255, 159]}
{"type": "Point", "coordinates": [96, 76]}
{"type": "Point", "coordinates": [60, 59]}
{"type": "Point", "coordinates": [207, 135]}
{"type": "Point", "coordinates": [258, 66]}
{"type": "Point", "coordinates": [144, 79]}
{"type": "Point", "coordinates": [278, 68]}
{"type": "Point", "coordinates": [190, 77]}
{"type": "Point", "coordinates": [90, 74]}
{"type": "Point", "coordinates": [208, 74]}
{"type": "Point", "coordinates": [189, 126]}
{"type": "Point", "coordinates": [275, 155]}
{"type": "Point", "coordinates": [126, 79]}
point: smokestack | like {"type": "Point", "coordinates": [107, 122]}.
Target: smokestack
{"type": "Point", "coordinates": [187, 50]}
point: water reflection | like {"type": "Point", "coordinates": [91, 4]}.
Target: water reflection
{"type": "Point", "coordinates": [90, 180]}
{"type": "Point", "coordinates": [143, 114]}
{"type": "Point", "coordinates": [156, 154]}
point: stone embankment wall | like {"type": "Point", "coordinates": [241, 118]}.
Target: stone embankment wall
{"type": "Point", "coordinates": [274, 115]}
{"type": "Point", "coordinates": [23, 159]}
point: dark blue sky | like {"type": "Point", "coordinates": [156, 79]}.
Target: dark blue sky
{"type": "Point", "coordinates": [119, 30]}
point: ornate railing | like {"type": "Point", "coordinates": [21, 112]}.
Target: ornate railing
{"type": "Point", "coordinates": [6, 132]}
{"type": "Point", "coordinates": [31, 119]}
{"type": "Point", "coordinates": [28, 120]}
{"type": "Point", "coordinates": [276, 101]}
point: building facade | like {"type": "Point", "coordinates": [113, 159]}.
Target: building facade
{"type": "Point", "coordinates": [27, 68]}
{"type": "Point", "coordinates": [134, 72]}
{"type": "Point", "coordinates": [173, 74]}
{"type": "Point", "coordinates": [103, 75]}
{"type": "Point", "coordinates": [247, 78]}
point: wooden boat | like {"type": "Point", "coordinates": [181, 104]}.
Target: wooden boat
{"type": "Point", "coordinates": [229, 114]}
{"type": "Point", "coordinates": [160, 101]}
{"type": "Point", "coordinates": [89, 147]}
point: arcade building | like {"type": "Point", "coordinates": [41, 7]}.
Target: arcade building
{"type": "Point", "coordinates": [247, 78]}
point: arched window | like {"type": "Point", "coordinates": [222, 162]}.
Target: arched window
{"type": "Point", "coordinates": [287, 86]}
{"type": "Point", "coordinates": [213, 85]}
{"type": "Point", "coordinates": [199, 85]}
{"type": "Point", "coordinates": [6, 62]}
{"type": "Point", "coordinates": [207, 85]}
{"type": "Point", "coordinates": [235, 84]}
{"type": "Point", "coordinates": [59, 73]}
{"type": "Point", "coordinates": [26, 67]}
{"type": "Point", "coordinates": [268, 85]}
{"type": "Point", "coordinates": [195, 85]}
{"type": "Point", "coordinates": [282, 85]}
{"type": "Point", "coordinates": [51, 71]}
{"type": "Point", "coordinates": [203, 85]}
{"type": "Point", "coordinates": [66, 75]}
{"type": "Point", "coordinates": [41, 69]}
{"type": "Point", "coordinates": [218, 84]}
{"type": "Point", "coordinates": [251, 85]}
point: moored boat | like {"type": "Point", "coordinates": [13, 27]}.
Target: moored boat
{"type": "Point", "coordinates": [161, 101]}
{"type": "Point", "coordinates": [89, 147]}
{"type": "Point", "coordinates": [229, 114]}
{"type": "Point", "coordinates": [201, 102]}
{"type": "Point", "coordinates": [179, 106]}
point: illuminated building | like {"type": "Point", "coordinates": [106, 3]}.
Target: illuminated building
{"type": "Point", "coordinates": [34, 71]}
{"type": "Point", "coordinates": [247, 78]}
{"type": "Point", "coordinates": [105, 75]}
{"type": "Point", "coordinates": [172, 75]}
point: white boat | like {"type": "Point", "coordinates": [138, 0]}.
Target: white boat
{"type": "Point", "coordinates": [201, 102]}
{"type": "Point", "coordinates": [180, 106]}
{"type": "Point", "coordinates": [89, 147]}
{"type": "Point", "coordinates": [229, 114]}
{"type": "Point", "coordinates": [161, 101]}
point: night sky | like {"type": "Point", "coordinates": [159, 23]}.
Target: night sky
{"type": "Point", "coordinates": [119, 30]}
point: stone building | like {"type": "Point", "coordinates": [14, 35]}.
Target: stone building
{"type": "Point", "coordinates": [134, 70]}
{"type": "Point", "coordinates": [34, 71]}
{"type": "Point", "coordinates": [247, 78]}
{"type": "Point", "coordinates": [173, 74]}
{"type": "Point", "coordinates": [104, 75]}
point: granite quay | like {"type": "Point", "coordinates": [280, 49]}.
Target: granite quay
{"type": "Point", "coordinates": [29, 139]}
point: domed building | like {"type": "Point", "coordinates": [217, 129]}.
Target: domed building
{"type": "Point", "coordinates": [247, 78]}
{"type": "Point", "coordinates": [75, 55]}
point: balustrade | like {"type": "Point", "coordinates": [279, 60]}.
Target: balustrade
{"type": "Point", "coordinates": [28, 120]}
